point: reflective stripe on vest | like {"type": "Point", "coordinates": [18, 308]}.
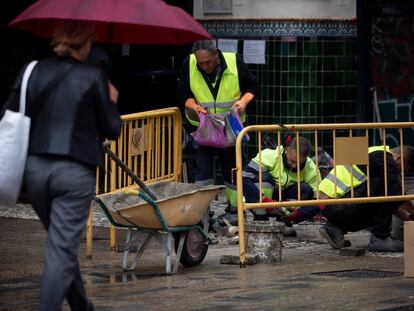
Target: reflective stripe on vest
{"type": "Point", "coordinates": [267, 189]}
{"type": "Point", "coordinates": [343, 177]}
{"type": "Point", "coordinates": [228, 92]}
{"type": "Point", "coordinates": [343, 180]}
{"type": "Point", "coordinates": [378, 148]}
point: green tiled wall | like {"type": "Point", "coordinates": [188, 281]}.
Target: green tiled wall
{"type": "Point", "coordinates": [306, 80]}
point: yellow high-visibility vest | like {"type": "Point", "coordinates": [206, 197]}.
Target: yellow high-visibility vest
{"type": "Point", "coordinates": [270, 162]}
{"type": "Point", "coordinates": [228, 92]}
{"type": "Point", "coordinates": [344, 182]}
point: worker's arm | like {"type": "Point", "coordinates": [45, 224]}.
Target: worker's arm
{"type": "Point", "coordinates": [405, 211]}
{"type": "Point", "coordinates": [404, 215]}
{"type": "Point", "coordinates": [247, 84]}
{"type": "Point", "coordinates": [191, 103]}
{"type": "Point", "coordinates": [241, 104]}
{"type": "Point", "coordinates": [310, 174]}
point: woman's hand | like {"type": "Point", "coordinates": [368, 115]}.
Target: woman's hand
{"type": "Point", "coordinates": [113, 92]}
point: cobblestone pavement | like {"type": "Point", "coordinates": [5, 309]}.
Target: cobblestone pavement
{"type": "Point", "coordinates": [308, 232]}
{"type": "Point", "coordinates": [309, 276]}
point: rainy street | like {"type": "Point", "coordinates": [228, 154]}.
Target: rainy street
{"type": "Point", "coordinates": [207, 155]}
{"type": "Point", "coordinates": [311, 275]}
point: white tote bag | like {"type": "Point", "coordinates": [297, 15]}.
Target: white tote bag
{"type": "Point", "coordinates": [14, 142]}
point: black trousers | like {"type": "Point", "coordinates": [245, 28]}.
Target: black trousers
{"type": "Point", "coordinates": [377, 216]}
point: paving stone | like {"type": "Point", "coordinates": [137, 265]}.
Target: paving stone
{"type": "Point", "coordinates": [352, 251]}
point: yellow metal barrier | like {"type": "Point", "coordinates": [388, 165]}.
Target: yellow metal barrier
{"type": "Point", "coordinates": [150, 144]}
{"type": "Point", "coordinates": [354, 131]}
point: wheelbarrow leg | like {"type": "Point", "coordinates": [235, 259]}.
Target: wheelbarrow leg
{"type": "Point", "coordinates": [168, 249]}
{"type": "Point", "coordinates": [168, 257]}
{"type": "Point", "coordinates": [126, 249]}
{"type": "Point", "coordinates": [130, 242]}
{"type": "Point", "coordinates": [206, 221]}
{"type": "Point", "coordinates": [179, 251]}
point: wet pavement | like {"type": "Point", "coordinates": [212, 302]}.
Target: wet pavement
{"type": "Point", "coordinates": [311, 275]}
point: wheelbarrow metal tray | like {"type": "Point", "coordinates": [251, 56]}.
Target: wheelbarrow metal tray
{"type": "Point", "coordinates": [181, 204]}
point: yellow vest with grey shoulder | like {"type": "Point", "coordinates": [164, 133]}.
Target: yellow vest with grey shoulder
{"type": "Point", "coordinates": [344, 182]}
{"type": "Point", "coordinates": [228, 92]}
{"type": "Point", "coordinates": [269, 160]}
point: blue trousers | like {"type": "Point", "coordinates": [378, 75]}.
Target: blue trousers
{"type": "Point", "coordinates": [205, 163]}
{"type": "Point", "coordinates": [60, 190]}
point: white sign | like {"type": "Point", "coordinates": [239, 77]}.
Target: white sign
{"type": "Point", "coordinates": [226, 45]}
{"type": "Point", "coordinates": [125, 49]}
{"type": "Point", "coordinates": [254, 51]}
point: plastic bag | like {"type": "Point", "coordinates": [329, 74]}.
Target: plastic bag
{"type": "Point", "coordinates": [231, 136]}
{"type": "Point", "coordinates": [234, 121]}
{"type": "Point", "coordinates": [211, 131]}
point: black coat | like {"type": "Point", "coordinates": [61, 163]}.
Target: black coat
{"type": "Point", "coordinates": [77, 115]}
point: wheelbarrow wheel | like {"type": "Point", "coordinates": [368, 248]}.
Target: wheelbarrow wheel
{"type": "Point", "coordinates": [194, 249]}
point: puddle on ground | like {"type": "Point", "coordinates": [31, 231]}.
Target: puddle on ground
{"type": "Point", "coordinates": [18, 284]}
{"type": "Point", "coordinates": [118, 277]}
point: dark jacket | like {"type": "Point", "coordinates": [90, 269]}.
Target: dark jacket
{"type": "Point", "coordinates": [77, 115]}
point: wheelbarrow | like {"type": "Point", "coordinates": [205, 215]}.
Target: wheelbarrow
{"type": "Point", "coordinates": [165, 207]}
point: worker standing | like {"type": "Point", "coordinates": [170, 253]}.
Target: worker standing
{"type": "Point", "coordinates": [213, 82]}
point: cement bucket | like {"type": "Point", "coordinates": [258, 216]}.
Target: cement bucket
{"type": "Point", "coordinates": [265, 238]}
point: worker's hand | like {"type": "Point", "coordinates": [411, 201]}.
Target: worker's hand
{"type": "Point", "coordinates": [113, 92]}
{"type": "Point", "coordinates": [274, 211]}
{"type": "Point", "coordinates": [192, 104]}
{"type": "Point", "coordinates": [266, 199]}
{"type": "Point", "coordinates": [200, 109]}
{"type": "Point", "coordinates": [239, 106]}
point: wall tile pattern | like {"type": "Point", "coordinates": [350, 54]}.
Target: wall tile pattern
{"type": "Point", "coordinates": [310, 70]}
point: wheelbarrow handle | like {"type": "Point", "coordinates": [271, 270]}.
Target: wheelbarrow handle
{"type": "Point", "coordinates": [127, 170]}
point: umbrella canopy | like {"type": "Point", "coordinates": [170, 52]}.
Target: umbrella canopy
{"type": "Point", "coordinates": [116, 21]}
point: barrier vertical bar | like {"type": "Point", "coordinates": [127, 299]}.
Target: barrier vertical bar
{"type": "Point", "coordinates": [163, 125]}
{"type": "Point", "coordinates": [279, 171]}
{"type": "Point", "coordinates": [157, 148]}
{"type": "Point", "coordinates": [351, 171]}
{"type": "Point", "coordinates": [368, 171]}
{"type": "Point", "coordinates": [334, 152]}
{"type": "Point", "coordinates": [298, 162]}
{"type": "Point", "coordinates": [317, 162]}
{"type": "Point", "coordinates": [240, 203]}
{"type": "Point", "coordinates": [260, 166]}
{"type": "Point", "coordinates": [171, 130]}
{"type": "Point", "coordinates": [385, 163]}
{"type": "Point", "coordinates": [402, 161]}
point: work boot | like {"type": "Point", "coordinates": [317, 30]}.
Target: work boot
{"type": "Point", "coordinates": [385, 245]}
{"type": "Point", "coordinates": [333, 235]}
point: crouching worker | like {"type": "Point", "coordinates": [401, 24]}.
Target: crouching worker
{"type": "Point", "coordinates": [377, 217]}
{"type": "Point", "coordinates": [269, 160]}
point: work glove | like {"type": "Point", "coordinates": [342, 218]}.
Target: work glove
{"type": "Point", "coordinates": [271, 211]}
